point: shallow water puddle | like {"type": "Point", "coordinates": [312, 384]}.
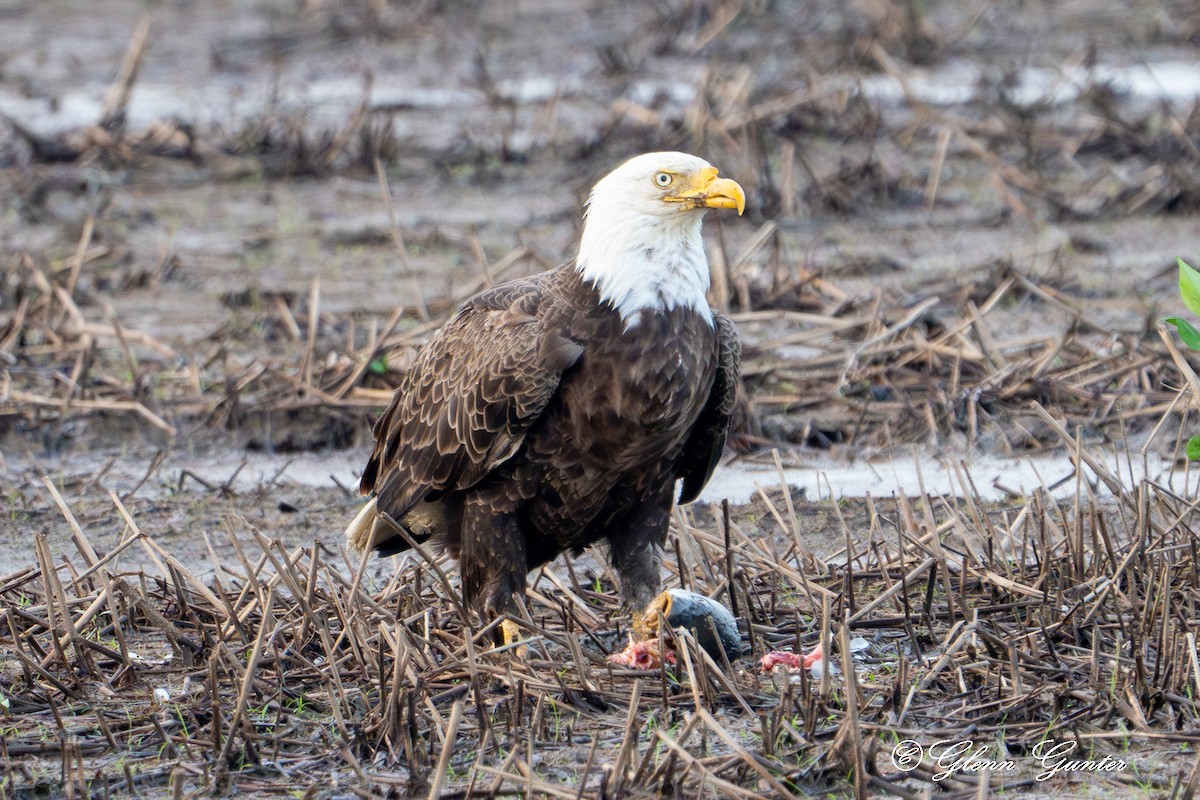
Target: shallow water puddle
{"type": "Point", "coordinates": [956, 83]}
{"type": "Point", "coordinates": [993, 478]}
{"type": "Point", "coordinates": [327, 101]}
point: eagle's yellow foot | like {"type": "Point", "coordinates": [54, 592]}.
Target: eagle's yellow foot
{"type": "Point", "coordinates": [511, 634]}
{"type": "Point", "coordinates": [645, 621]}
{"type": "Point", "coordinates": [644, 650]}
{"type": "Point", "coordinates": [643, 626]}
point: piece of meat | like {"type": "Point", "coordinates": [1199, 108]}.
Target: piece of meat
{"type": "Point", "coordinates": [792, 662]}
{"type": "Point", "coordinates": [644, 654]}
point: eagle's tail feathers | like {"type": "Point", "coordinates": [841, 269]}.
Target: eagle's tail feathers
{"type": "Point", "coordinates": [372, 530]}
{"type": "Point", "coordinates": [361, 530]}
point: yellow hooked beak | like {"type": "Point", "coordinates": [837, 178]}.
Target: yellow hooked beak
{"type": "Point", "coordinates": [706, 190]}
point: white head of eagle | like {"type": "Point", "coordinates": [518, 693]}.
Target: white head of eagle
{"type": "Point", "coordinates": [641, 244]}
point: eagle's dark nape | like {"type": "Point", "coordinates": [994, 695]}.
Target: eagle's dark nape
{"type": "Point", "coordinates": [560, 410]}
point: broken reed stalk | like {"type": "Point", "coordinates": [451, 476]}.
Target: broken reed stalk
{"type": "Point", "coordinates": [117, 98]}
{"type": "Point", "coordinates": [385, 194]}
{"type": "Point", "coordinates": [314, 321]}
{"type": "Point", "coordinates": [853, 733]}
{"type": "Point", "coordinates": [451, 738]}
{"type": "Point", "coordinates": [238, 717]}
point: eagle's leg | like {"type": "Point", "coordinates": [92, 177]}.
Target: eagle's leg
{"type": "Point", "coordinates": [493, 565]}
{"type": "Point", "coordinates": [635, 546]}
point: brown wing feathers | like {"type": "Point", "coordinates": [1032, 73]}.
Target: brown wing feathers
{"type": "Point", "coordinates": [468, 400]}
{"type": "Point", "coordinates": [707, 441]}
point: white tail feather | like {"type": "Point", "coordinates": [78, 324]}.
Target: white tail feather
{"type": "Point", "coordinates": [360, 531]}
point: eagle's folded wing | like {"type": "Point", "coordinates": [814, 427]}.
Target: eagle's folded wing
{"type": "Point", "coordinates": [707, 440]}
{"type": "Point", "coordinates": [466, 404]}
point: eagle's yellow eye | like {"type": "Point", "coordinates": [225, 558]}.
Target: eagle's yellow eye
{"type": "Point", "coordinates": [663, 179]}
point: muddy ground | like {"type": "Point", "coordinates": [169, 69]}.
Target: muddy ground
{"type": "Point", "coordinates": [956, 210]}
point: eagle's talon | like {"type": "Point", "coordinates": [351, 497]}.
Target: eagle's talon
{"type": "Point", "coordinates": [643, 625]}
{"type": "Point", "coordinates": [510, 634]}
{"type": "Point", "coordinates": [645, 621]}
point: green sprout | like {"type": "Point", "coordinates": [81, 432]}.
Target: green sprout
{"type": "Point", "coordinates": [1189, 291]}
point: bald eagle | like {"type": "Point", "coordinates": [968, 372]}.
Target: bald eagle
{"type": "Point", "coordinates": [558, 410]}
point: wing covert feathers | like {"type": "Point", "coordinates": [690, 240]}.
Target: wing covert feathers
{"type": "Point", "coordinates": [465, 405]}
{"type": "Point", "coordinates": [707, 441]}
